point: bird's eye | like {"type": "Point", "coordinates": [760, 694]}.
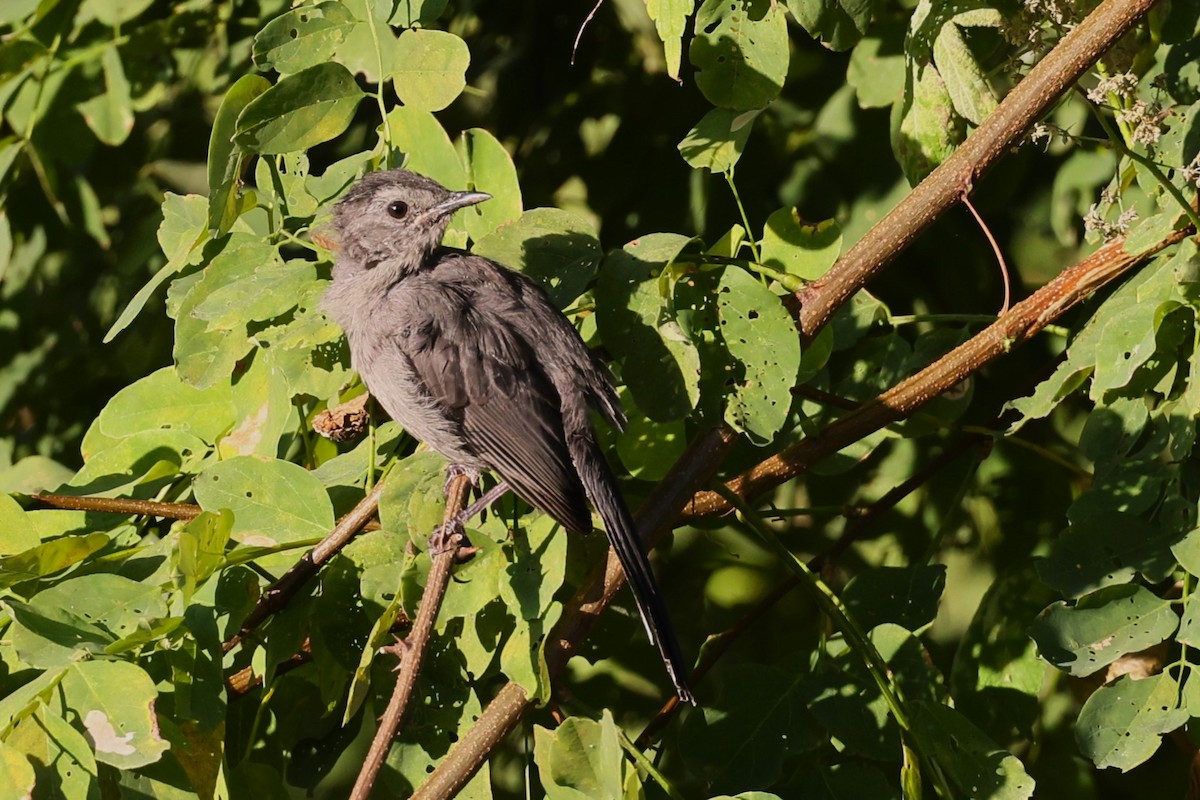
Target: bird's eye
{"type": "Point", "coordinates": [397, 209]}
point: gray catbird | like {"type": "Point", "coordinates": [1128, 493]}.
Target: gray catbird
{"type": "Point", "coordinates": [474, 359]}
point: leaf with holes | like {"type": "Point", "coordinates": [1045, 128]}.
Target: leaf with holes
{"type": "Point", "coordinates": [761, 337]}
{"type": "Point", "coordinates": [161, 401]}
{"type": "Point", "coordinates": [273, 502]}
{"type": "Point", "coordinates": [1122, 723]}
{"type": "Point", "coordinates": [303, 37]}
{"type": "Point", "coordinates": [1101, 627]}
{"type": "Point", "coordinates": [740, 52]}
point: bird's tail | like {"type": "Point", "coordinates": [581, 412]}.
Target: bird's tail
{"type": "Point", "coordinates": [601, 487]}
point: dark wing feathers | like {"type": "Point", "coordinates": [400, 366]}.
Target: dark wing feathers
{"type": "Point", "coordinates": [487, 378]}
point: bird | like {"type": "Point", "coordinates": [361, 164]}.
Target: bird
{"type": "Point", "coordinates": [475, 360]}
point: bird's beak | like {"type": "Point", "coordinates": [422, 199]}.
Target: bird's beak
{"type": "Point", "coordinates": [458, 200]}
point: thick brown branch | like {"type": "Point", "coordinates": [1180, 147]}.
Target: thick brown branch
{"type": "Point", "coordinates": [1021, 322]}
{"type": "Point", "coordinates": [121, 505]}
{"type": "Point", "coordinates": [280, 593]}
{"type": "Point", "coordinates": [412, 649]}
{"type": "Point", "coordinates": [694, 468]}
{"type": "Point", "coordinates": [946, 185]}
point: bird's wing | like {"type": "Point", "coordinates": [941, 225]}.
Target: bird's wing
{"type": "Point", "coordinates": [481, 369]}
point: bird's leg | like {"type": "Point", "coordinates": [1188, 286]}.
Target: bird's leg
{"type": "Point", "coordinates": [444, 537]}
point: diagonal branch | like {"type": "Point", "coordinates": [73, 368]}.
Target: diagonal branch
{"type": "Point", "coordinates": [1021, 323]}
{"type": "Point", "coordinates": [280, 593]}
{"type": "Point", "coordinates": [953, 179]}
{"type": "Point", "coordinates": [412, 649]}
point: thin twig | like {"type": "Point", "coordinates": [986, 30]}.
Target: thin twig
{"type": "Point", "coordinates": [584, 24]}
{"type": "Point", "coordinates": [412, 649]}
{"type": "Point", "coordinates": [966, 201]}
{"type": "Point", "coordinates": [280, 593]}
{"type": "Point", "coordinates": [121, 505]}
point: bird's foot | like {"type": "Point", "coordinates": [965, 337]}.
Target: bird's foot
{"type": "Point", "coordinates": [451, 536]}
{"type": "Point", "coordinates": [455, 471]}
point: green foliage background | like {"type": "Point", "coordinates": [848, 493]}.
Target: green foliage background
{"type": "Point", "coordinates": [694, 163]}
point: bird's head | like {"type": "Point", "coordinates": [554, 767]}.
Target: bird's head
{"type": "Point", "coordinates": [394, 216]}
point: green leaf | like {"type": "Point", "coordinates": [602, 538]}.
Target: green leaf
{"type": "Point", "coordinates": [49, 558]}
{"type": "Point", "coordinates": [489, 168]}
{"type": "Point", "coordinates": [670, 20]}
{"type": "Point", "coordinates": [270, 290]}
{"type": "Point", "coordinates": [556, 248]}
{"type": "Point", "coordinates": [925, 127]}
{"type": "Point", "coordinates": [762, 337]}
{"type": "Point", "coordinates": [180, 235]}
{"type": "Point", "coordinates": [114, 13]}
{"type": "Point", "coordinates": [370, 47]}
{"type": "Point", "coordinates": [876, 68]}
{"type": "Point", "coordinates": [225, 161]}
{"type": "Point", "coordinates": [649, 449]}
{"type": "Point", "coordinates": [806, 249]}
{"type": "Point", "coordinates": [140, 463]}
{"type": "Point", "coordinates": [114, 700]}
{"type": "Point", "coordinates": [906, 596]}
{"type": "Point", "coordinates": [426, 146]}
{"type": "Point", "coordinates": [837, 24]}
{"type": "Point", "coordinates": [161, 401]}
{"type": "Point", "coordinates": [581, 759]}
{"type": "Point", "coordinates": [965, 80]}
{"type": "Point", "coordinates": [754, 727]}
{"type": "Point", "coordinates": [203, 356]}
{"type": "Point", "coordinates": [975, 764]}
{"type": "Point", "coordinates": [1122, 723]}
{"type": "Point", "coordinates": [302, 37]}
{"type": "Point", "coordinates": [45, 636]}
{"type": "Point", "coordinates": [16, 529]}
{"type": "Point", "coordinates": [659, 363]}
{"type": "Point", "coordinates": [1105, 549]}
{"type": "Point", "coordinates": [1101, 627]}
{"type": "Point", "coordinates": [717, 141]}
{"type": "Point", "coordinates": [110, 115]}
{"type": "Point", "coordinates": [997, 676]}
{"type": "Point", "coordinates": [302, 110]}
{"type": "Point", "coordinates": [430, 69]}
{"type": "Point", "coordinates": [417, 13]}
{"type": "Point", "coordinates": [16, 773]}
{"type": "Point", "coordinates": [262, 405]}
{"type": "Point", "coordinates": [740, 52]}
{"type": "Point", "coordinates": [273, 502]}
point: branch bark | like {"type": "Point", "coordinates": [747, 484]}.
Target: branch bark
{"type": "Point", "coordinates": [412, 649]}
{"type": "Point", "coordinates": [1020, 324]}
{"type": "Point", "coordinates": [953, 179]}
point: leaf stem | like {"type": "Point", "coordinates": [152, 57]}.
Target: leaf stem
{"type": "Point", "coordinates": [387, 125]}
{"type": "Point", "coordinates": [742, 210]}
